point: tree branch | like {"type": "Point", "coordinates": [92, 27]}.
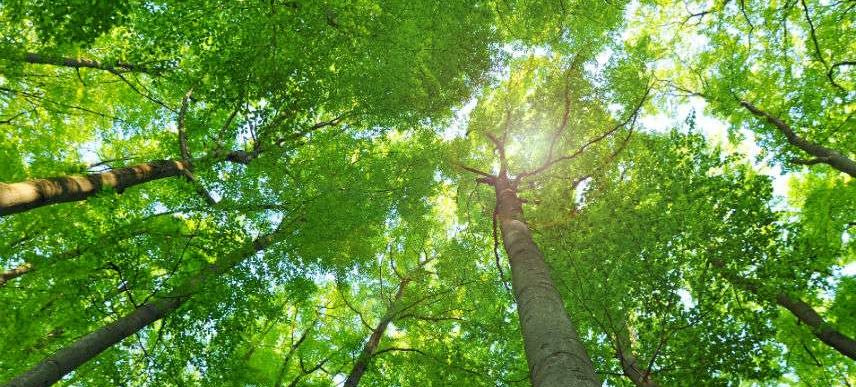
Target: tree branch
{"type": "Point", "coordinates": [823, 154]}
{"type": "Point", "coordinates": [630, 120]}
{"type": "Point", "coordinates": [116, 66]}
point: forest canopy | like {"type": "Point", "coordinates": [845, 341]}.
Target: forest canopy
{"type": "Point", "coordinates": [420, 193]}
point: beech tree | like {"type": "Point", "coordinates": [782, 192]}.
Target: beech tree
{"type": "Point", "coordinates": [474, 193]}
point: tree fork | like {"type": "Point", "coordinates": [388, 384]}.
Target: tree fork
{"type": "Point", "coordinates": [370, 348]}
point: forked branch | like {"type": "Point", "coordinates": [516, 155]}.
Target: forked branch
{"type": "Point", "coordinates": [631, 119]}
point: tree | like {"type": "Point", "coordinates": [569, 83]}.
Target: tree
{"type": "Point", "coordinates": [315, 193]}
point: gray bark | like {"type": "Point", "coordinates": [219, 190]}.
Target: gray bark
{"type": "Point", "coordinates": [555, 355]}
{"type": "Point", "coordinates": [629, 363]}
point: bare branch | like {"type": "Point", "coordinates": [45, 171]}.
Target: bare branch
{"type": "Point", "coordinates": [473, 170]}
{"type": "Point", "coordinates": [630, 120]}
{"type": "Point", "coordinates": [137, 90]}
{"type": "Point", "coordinates": [352, 308]}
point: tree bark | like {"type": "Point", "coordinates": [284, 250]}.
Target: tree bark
{"type": "Point", "coordinates": [804, 312]}
{"type": "Point", "coordinates": [370, 347]}
{"type": "Point", "coordinates": [554, 352]}
{"type": "Point", "coordinates": [629, 364]}
{"type": "Point", "coordinates": [27, 195]}
{"type": "Point", "coordinates": [13, 273]}
{"type": "Point", "coordinates": [54, 367]}
{"type": "Point", "coordinates": [78, 63]}
{"type": "Point", "coordinates": [823, 154]}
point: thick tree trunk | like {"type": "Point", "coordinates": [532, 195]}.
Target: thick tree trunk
{"type": "Point", "coordinates": [54, 367]}
{"type": "Point", "coordinates": [554, 352]}
{"type": "Point", "coordinates": [821, 153]}
{"type": "Point", "coordinates": [372, 344]}
{"type": "Point", "coordinates": [801, 310]}
{"type": "Point", "coordinates": [27, 195]}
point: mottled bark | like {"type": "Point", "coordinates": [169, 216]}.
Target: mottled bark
{"type": "Point", "coordinates": [54, 367]}
{"type": "Point", "coordinates": [821, 153]}
{"type": "Point", "coordinates": [554, 352]}
{"type": "Point", "coordinates": [804, 312]}
{"type": "Point", "coordinates": [27, 195]}
{"type": "Point", "coordinates": [371, 346]}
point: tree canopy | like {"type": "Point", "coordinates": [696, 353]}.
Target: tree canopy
{"type": "Point", "coordinates": [400, 193]}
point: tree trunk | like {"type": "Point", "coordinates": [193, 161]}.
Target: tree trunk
{"type": "Point", "coordinates": [372, 344]}
{"type": "Point", "coordinates": [554, 352]}
{"type": "Point", "coordinates": [821, 153]}
{"type": "Point", "coordinates": [54, 367]}
{"type": "Point", "coordinates": [629, 364]}
{"type": "Point", "coordinates": [820, 328]}
{"type": "Point", "coordinates": [27, 195]}
{"type": "Point", "coordinates": [801, 310]}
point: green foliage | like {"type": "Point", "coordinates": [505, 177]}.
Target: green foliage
{"type": "Point", "coordinates": [356, 118]}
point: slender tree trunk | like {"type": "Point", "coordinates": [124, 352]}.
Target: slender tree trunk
{"type": "Point", "coordinates": [27, 195]}
{"type": "Point", "coordinates": [78, 63]}
{"type": "Point", "coordinates": [804, 312]}
{"type": "Point", "coordinates": [629, 364]}
{"type": "Point", "coordinates": [821, 153]}
{"type": "Point", "coordinates": [554, 352]}
{"type": "Point", "coordinates": [370, 347]}
{"type": "Point", "coordinates": [54, 367]}
{"type": "Point", "coordinates": [819, 327]}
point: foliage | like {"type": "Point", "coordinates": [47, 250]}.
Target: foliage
{"type": "Point", "coordinates": [364, 126]}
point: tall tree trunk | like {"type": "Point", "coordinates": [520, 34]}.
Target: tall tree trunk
{"type": "Point", "coordinates": [54, 367]}
{"type": "Point", "coordinates": [804, 312]}
{"type": "Point", "coordinates": [27, 195]}
{"type": "Point", "coordinates": [372, 344]}
{"type": "Point", "coordinates": [554, 352]}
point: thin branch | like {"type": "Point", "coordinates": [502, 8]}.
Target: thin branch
{"type": "Point", "coordinates": [390, 349]}
{"type": "Point", "coordinates": [145, 95]}
{"type": "Point", "coordinates": [353, 309]}
{"type": "Point", "coordinates": [182, 134]}
{"type": "Point", "coordinates": [630, 119]}
{"type": "Point", "coordinates": [830, 74]}
{"type": "Point", "coordinates": [473, 170]}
